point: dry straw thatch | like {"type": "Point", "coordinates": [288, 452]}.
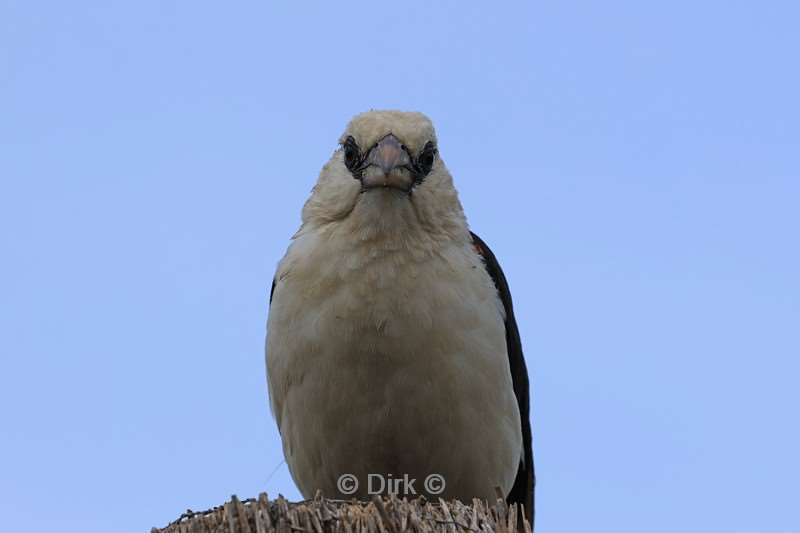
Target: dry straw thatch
{"type": "Point", "coordinates": [381, 515]}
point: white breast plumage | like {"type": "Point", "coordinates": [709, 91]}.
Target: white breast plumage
{"type": "Point", "coordinates": [382, 357]}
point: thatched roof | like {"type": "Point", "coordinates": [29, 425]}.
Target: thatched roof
{"type": "Point", "coordinates": [380, 515]}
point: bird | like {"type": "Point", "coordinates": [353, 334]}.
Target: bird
{"type": "Point", "coordinates": [392, 350]}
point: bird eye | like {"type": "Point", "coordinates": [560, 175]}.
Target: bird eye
{"type": "Point", "coordinates": [352, 155]}
{"type": "Point", "coordinates": [425, 159]}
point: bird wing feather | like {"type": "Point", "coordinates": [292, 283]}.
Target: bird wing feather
{"type": "Point", "coordinates": [524, 485]}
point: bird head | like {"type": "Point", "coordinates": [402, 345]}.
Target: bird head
{"type": "Point", "coordinates": [387, 174]}
{"type": "Point", "coordinates": [389, 150]}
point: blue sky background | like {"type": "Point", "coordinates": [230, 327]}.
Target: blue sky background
{"type": "Point", "coordinates": [633, 164]}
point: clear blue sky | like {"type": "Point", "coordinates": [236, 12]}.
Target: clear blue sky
{"type": "Point", "coordinates": [633, 164]}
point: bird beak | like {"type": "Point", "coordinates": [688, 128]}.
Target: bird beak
{"type": "Point", "coordinates": [391, 158]}
{"type": "Point", "coordinates": [388, 154]}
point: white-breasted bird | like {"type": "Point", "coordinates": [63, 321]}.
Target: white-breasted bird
{"type": "Point", "coordinates": [392, 349]}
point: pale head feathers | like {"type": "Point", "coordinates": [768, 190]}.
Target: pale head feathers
{"type": "Point", "coordinates": [338, 204]}
{"type": "Point", "coordinates": [415, 129]}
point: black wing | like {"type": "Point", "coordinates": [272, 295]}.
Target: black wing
{"type": "Point", "coordinates": [272, 291]}
{"type": "Point", "coordinates": [525, 483]}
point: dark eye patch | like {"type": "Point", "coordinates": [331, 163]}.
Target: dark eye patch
{"type": "Point", "coordinates": [426, 158]}
{"type": "Point", "coordinates": [352, 154]}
